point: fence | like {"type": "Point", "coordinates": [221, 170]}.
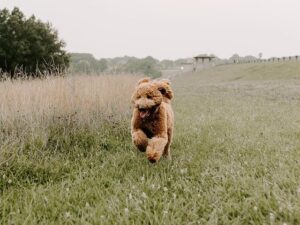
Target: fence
{"type": "Point", "coordinates": [273, 59]}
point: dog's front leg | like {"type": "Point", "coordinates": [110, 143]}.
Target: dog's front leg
{"type": "Point", "coordinates": [140, 139]}
{"type": "Point", "coordinates": [155, 148]}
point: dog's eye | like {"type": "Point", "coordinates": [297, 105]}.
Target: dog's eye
{"type": "Point", "coordinates": [149, 97]}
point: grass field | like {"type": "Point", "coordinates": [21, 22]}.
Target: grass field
{"type": "Point", "coordinates": [236, 153]}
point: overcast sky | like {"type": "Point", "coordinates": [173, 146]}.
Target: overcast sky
{"type": "Point", "coordinates": [171, 28]}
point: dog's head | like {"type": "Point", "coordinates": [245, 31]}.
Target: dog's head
{"type": "Point", "coordinates": [148, 96]}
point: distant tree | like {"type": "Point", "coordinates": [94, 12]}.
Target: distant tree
{"type": "Point", "coordinates": [166, 64]}
{"type": "Point", "coordinates": [84, 66]}
{"type": "Point", "coordinates": [83, 63]}
{"type": "Point", "coordinates": [148, 66]}
{"type": "Point", "coordinates": [79, 62]}
{"type": "Point", "coordinates": [250, 58]}
{"type": "Point", "coordinates": [235, 58]}
{"type": "Point", "coordinates": [102, 65]}
{"type": "Point", "coordinates": [260, 55]}
{"type": "Point", "coordinates": [29, 45]}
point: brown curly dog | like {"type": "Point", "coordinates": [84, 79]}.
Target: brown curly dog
{"type": "Point", "coordinates": [153, 119]}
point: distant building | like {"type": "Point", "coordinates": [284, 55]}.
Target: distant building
{"type": "Point", "coordinates": [203, 61]}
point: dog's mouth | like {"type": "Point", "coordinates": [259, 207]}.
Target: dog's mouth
{"type": "Point", "coordinates": [144, 113]}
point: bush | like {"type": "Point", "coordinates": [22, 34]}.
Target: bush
{"type": "Point", "coordinates": [29, 45]}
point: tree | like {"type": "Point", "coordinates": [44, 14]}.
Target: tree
{"type": "Point", "coordinates": [147, 66]}
{"type": "Point", "coordinates": [29, 45]}
{"type": "Point", "coordinates": [83, 63]}
{"type": "Point", "coordinates": [95, 66]}
{"type": "Point", "coordinates": [235, 58]}
{"type": "Point", "coordinates": [102, 65]}
{"type": "Point", "coordinates": [166, 64]}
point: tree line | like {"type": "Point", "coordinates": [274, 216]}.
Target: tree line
{"type": "Point", "coordinates": [87, 64]}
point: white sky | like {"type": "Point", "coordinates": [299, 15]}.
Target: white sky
{"type": "Point", "coordinates": [171, 28]}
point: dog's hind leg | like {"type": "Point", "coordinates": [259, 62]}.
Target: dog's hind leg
{"type": "Point", "coordinates": [167, 150]}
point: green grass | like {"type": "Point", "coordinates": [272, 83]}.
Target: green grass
{"type": "Point", "coordinates": [236, 157]}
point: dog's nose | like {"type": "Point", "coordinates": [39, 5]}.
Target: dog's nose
{"type": "Point", "coordinates": [141, 107]}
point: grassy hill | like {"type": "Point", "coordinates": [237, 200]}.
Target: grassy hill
{"type": "Point", "coordinates": [236, 157]}
{"type": "Point", "coordinates": [254, 71]}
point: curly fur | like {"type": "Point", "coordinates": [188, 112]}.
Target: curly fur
{"type": "Point", "coordinates": [153, 119]}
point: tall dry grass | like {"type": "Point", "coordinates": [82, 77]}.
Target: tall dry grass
{"type": "Point", "coordinates": [28, 106]}
{"type": "Point", "coordinates": [33, 109]}
{"type": "Point", "coordinates": [39, 100]}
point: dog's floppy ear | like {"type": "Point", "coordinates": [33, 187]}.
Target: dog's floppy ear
{"type": "Point", "coordinates": [165, 88]}
{"type": "Point", "coordinates": [166, 81]}
{"type": "Point", "coordinates": [144, 80]}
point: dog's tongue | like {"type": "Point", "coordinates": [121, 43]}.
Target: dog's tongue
{"type": "Point", "coordinates": [144, 114]}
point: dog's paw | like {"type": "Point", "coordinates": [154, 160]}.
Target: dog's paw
{"type": "Point", "coordinates": [152, 160]}
{"type": "Point", "coordinates": [153, 155]}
